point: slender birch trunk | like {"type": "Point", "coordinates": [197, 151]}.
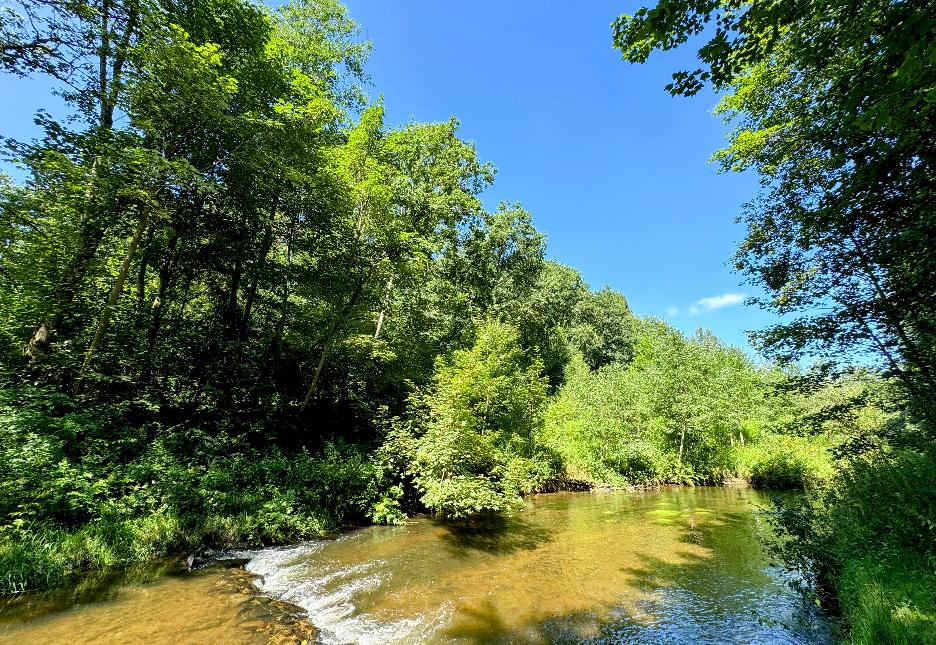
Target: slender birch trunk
{"type": "Point", "coordinates": [380, 318]}
{"type": "Point", "coordinates": [112, 299]}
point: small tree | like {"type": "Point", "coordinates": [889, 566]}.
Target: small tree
{"type": "Point", "coordinates": [478, 453]}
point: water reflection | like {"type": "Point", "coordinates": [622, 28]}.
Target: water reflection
{"type": "Point", "coordinates": [678, 565]}
{"type": "Point", "coordinates": [96, 586]}
{"type": "Point", "coordinates": [156, 604]}
{"type": "Point", "coordinates": [495, 535]}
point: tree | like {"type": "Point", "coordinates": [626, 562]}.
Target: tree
{"type": "Point", "coordinates": [481, 416]}
{"type": "Point", "coordinates": [833, 108]}
{"type": "Point", "coordinates": [605, 328]}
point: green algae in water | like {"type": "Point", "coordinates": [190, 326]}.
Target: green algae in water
{"type": "Point", "coordinates": [676, 565]}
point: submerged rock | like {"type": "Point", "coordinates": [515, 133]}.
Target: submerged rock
{"type": "Point", "coordinates": [194, 562]}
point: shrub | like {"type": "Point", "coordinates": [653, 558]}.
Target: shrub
{"type": "Point", "coordinates": [88, 489]}
{"type": "Point", "coordinates": [470, 442]}
{"type": "Point", "coordinates": [786, 462]}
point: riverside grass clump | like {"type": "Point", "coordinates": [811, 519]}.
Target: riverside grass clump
{"type": "Point", "coordinates": [889, 602]}
{"type": "Point", "coordinates": [868, 537]}
{"type": "Point", "coordinates": [786, 462]}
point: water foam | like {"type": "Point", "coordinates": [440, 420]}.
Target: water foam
{"type": "Point", "coordinates": [329, 594]}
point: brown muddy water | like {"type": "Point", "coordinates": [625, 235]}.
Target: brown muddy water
{"type": "Point", "coordinates": [680, 565]}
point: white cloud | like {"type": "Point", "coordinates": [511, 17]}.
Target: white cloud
{"type": "Point", "coordinates": [717, 302]}
{"type": "Point", "coordinates": [672, 312]}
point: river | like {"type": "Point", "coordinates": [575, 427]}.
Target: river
{"type": "Point", "coordinates": [678, 565]}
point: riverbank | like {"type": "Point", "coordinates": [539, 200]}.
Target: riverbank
{"type": "Point", "coordinates": [36, 558]}
{"type": "Point", "coordinates": [122, 494]}
{"type": "Point", "coordinates": [881, 599]}
{"type": "Point", "coordinates": [866, 537]}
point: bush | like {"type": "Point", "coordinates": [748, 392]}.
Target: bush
{"type": "Point", "coordinates": [88, 489]}
{"type": "Point", "coordinates": [469, 444]}
{"type": "Point", "coordinates": [670, 416]}
{"type": "Point", "coordinates": [786, 462]}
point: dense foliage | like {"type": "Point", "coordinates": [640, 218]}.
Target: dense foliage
{"type": "Point", "coordinates": [832, 105]}
{"type": "Point", "coordinates": [675, 412]}
{"type": "Point", "coordinates": [470, 442]}
{"type": "Point", "coordinates": [225, 282]}
{"type": "Point", "coordinates": [238, 307]}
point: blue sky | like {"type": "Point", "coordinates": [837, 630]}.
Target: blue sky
{"type": "Point", "coordinates": [612, 167]}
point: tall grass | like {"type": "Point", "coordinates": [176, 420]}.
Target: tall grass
{"type": "Point", "coordinates": [869, 537]}
{"type": "Point", "coordinates": [889, 602]}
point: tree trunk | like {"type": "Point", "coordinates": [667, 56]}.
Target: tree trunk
{"type": "Point", "coordinates": [232, 314]}
{"type": "Point", "coordinates": [318, 369]}
{"type": "Point", "coordinates": [281, 323]}
{"type": "Point", "coordinates": [141, 273]}
{"type": "Point", "coordinates": [112, 299]}
{"type": "Point", "coordinates": [158, 306]}
{"type": "Point", "coordinates": [329, 338]}
{"type": "Point", "coordinates": [284, 308]}
{"type": "Point", "coordinates": [107, 112]}
{"type": "Point", "coordinates": [89, 239]}
{"type": "Point", "coordinates": [255, 279]}
{"type": "Point", "coordinates": [380, 318]}
{"type": "Point", "coordinates": [37, 343]}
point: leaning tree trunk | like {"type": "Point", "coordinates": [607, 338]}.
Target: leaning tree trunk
{"type": "Point", "coordinates": [159, 306]}
{"type": "Point", "coordinates": [336, 323]}
{"type": "Point", "coordinates": [112, 299]}
{"type": "Point", "coordinates": [329, 339]}
{"type": "Point", "coordinates": [380, 318]}
{"type": "Point", "coordinates": [110, 83]}
{"type": "Point", "coordinates": [265, 247]}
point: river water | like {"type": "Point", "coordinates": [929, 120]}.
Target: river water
{"type": "Point", "coordinates": [679, 565]}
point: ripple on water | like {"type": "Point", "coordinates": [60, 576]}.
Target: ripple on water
{"type": "Point", "coordinates": [328, 593]}
{"type": "Point", "coordinates": [678, 565]}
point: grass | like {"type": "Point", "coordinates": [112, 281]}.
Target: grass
{"type": "Point", "coordinates": [890, 602]}
{"type": "Point", "coordinates": [37, 557]}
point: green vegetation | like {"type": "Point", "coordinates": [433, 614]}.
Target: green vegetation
{"type": "Point", "coordinates": [832, 105]}
{"type": "Point", "coordinates": [676, 412]}
{"type": "Point", "coordinates": [83, 489]}
{"type": "Point", "coordinates": [470, 441]}
{"type": "Point", "coordinates": [236, 307]}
